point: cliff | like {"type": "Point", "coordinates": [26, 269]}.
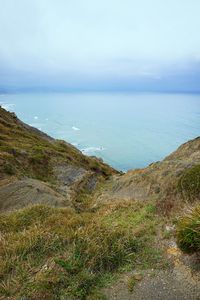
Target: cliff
{"type": "Point", "coordinates": [74, 228]}
{"type": "Point", "coordinates": [35, 168]}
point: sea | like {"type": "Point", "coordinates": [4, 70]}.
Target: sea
{"type": "Point", "coordinates": [126, 130]}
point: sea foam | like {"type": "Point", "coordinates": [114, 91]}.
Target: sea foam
{"type": "Point", "coordinates": [75, 128]}
{"type": "Point", "coordinates": [91, 150]}
{"type": "Point", "coordinates": [7, 106]}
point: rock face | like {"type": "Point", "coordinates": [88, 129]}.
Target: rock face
{"type": "Point", "coordinates": [28, 191]}
{"type": "Point", "coordinates": [29, 159]}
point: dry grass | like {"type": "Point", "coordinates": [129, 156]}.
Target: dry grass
{"type": "Point", "coordinates": [188, 231]}
{"type": "Point", "coordinates": [50, 253]}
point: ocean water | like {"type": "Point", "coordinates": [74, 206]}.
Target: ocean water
{"type": "Point", "coordinates": [127, 130]}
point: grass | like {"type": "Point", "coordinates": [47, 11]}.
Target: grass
{"type": "Point", "coordinates": [56, 253]}
{"type": "Point", "coordinates": [131, 283]}
{"type": "Point", "coordinates": [188, 231]}
{"type": "Point", "coordinates": [40, 164]}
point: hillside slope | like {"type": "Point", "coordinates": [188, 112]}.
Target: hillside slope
{"type": "Point", "coordinates": [81, 230]}
{"type": "Point", "coordinates": [55, 166]}
{"type": "Point", "coordinates": [167, 182]}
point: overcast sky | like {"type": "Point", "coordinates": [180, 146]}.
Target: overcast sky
{"type": "Point", "coordinates": [133, 44]}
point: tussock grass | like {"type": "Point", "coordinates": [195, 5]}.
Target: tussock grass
{"type": "Point", "coordinates": [188, 231]}
{"type": "Point", "coordinates": [56, 253]}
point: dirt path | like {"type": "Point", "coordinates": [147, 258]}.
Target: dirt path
{"type": "Point", "coordinates": [180, 282]}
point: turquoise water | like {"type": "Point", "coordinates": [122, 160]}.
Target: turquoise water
{"type": "Point", "coordinates": [127, 130]}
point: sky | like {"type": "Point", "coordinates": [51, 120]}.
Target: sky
{"type": "Point", "coordinates": [100, 45]}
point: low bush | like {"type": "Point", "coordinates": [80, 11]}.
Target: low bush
{"type": "Point", "coordinates": [189, 183]}
{"type": "Point", "coordinates": [9, 169]}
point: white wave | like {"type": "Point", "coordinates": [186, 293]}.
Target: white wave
{"type": "Point", "coordinates": [75, 144]}
{"type": "Point", "coordinates": [75, 128]}
{"type": "Point", "coordinates": [7, 106]}
{"type": "Point", "coordinates": [91, 150]}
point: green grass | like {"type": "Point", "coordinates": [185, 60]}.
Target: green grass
{"type": "Point", "coordinates": [55, 253]}
{"type": "Point", "coordinates": [188, 231]}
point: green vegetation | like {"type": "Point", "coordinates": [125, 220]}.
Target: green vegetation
{"type": "Point", "coordinates": [50, 253]}
{"type": "Point", "coordinates": [188, 231]}
{"type": "Point", "coordinates": [40, 165]}
{"type": "Point", "coordinates": [189, 183]}
{"type": "Point", "coordinates": [9, 169]}
{"type": "Point", "coordinates": [32, 153]}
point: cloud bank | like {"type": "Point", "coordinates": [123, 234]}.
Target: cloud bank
{"type": "Point", "coordinates": [97, 45]}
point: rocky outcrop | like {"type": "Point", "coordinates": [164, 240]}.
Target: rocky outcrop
{"type": "Point", "coordinates": [27, 192]}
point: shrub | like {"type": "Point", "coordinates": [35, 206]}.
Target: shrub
{"type": "Point", "coordinates": [9, 169]}
{"type": "Point", "coordinates": [188, 231]}
{"type": "Point", "coordinates": [189, 183]}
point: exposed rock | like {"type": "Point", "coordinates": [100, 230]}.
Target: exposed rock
{"type": "Point", "coordinates": [26, 192]}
